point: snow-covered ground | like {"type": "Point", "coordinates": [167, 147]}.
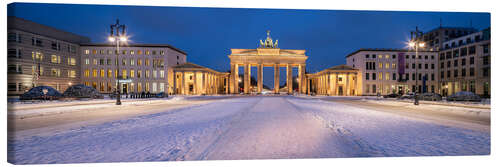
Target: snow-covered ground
{"type": "Point", "coordinates": [251, 128]}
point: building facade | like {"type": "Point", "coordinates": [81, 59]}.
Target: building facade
{"type": "Point", "coordinates": [341, 80]}
{"type": "Point", "coordinates": [464, 64]}
{"type": "Point", "coordinates": [435, 39]}
{"type": "Point", "coordinates": [193, 79]}
{"type": "Point", "coordinates": [386, 71]}
{"type": "Point", "coordinates": [147, 67]}
{"type": "Point", "coordinates": [40, 55]}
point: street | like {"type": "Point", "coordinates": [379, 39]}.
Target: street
{"type": "Point", "coordinates": [255, 127]}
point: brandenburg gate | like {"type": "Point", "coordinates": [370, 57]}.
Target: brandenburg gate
{"type": "Point", "coordinates": [267, 55]}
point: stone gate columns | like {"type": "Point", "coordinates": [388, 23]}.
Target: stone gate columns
{"type": "Point", "coordinates": [195, 85]}
{"type": "Point", "coordinates": [331, 84]}
{"type": "Point", "coordinates": [234, 81]}
{"type": "Point", "coordinates": [246, 78]}
{"type": "Point", "coordinates": [183, 85]}
{"type": "Point", "coordinates": [302, 79]}
{"type": "Point", "coordinates": [259, 78]}
{"type": "Point", "coordinates": [336, 88]}
{"type": "Point", "coordinates": [226, 81]}
{"type": "Point", "coordinates": [276, 78]}
{"type": "Point", "coordinates": [348, 85]}
{"type": "Point", "coordinates": [289, 83]}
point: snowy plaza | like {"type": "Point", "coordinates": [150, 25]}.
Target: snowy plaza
{"type": "Point", "coordinates": [243, 127]}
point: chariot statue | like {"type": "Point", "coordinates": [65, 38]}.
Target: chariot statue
{"type": "Point", "coordinates": [268, 43]}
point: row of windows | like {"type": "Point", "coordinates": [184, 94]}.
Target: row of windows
{"type": "Point", "coordinates": [393, 77]}
{"type": "Point", "coordinates": [393, 89]}
{"type": "Point", "coordinates": [123, 52]}
{"type": "Point", "coordinates": [394, 56]}
{"type": "Point", "coordinates": [462, 52]}
{"type": "Point", "coordinates": [486, 72]}
{"type": "Point", "coordinates": [153, 87]}
{"type": "Point", "coordinates": [461, 42]}
{"type": "Point", "coordinates": [131, 73]}
{"type": "Point", "coordinates": [55, 72]}
{"type": "Point", "coordinates": [156, 62]}
{"type": "Point", "coordinates": [371, 66]}
{"type": "Point", "coordinates": [36, 41]}
{"type": "Point", "coordinates": [38, 56]}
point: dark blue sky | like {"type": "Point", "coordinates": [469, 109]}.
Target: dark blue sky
{"type": "Point", "coordinates": [207, 34]}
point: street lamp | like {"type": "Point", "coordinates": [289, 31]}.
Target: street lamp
{"type": "Point", "coordinates": [416, 43]}
{"type": "Point", "coordinates": [117, 37]}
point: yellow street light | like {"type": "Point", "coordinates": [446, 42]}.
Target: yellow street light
{"type": "Point", "coordinates": [111, 39]}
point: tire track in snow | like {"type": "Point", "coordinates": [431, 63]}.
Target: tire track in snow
{"type": "Point", "coordinates": [222, 134]}
{"type": "Point", "coordinates": [360, 147]}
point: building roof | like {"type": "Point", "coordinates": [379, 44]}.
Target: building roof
{"type": "Point", "coordinates": [458, 28]}
{"type": "Point", "coordinates": [189, 65]}
{"type": "Point", "coordinates": [341, 67]}
{"type": "Point", "coordinates": [337, 68]}
{"type": "Point", "coordinates": [17, 23]}
{"type": "Point", "coordinates": [135, 45]}
{"type": "Point", "coordinates": [382, 50]}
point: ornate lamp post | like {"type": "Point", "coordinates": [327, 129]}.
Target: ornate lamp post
{"type": "Point", "coordinates": [117, 37]}
{"type": "Point", "coordinates": [415, 43]}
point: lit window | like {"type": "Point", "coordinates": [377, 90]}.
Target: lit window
{"type": "Point", "coordinates": [379, 56]}
{"type": "Point", "coordinates": [387, 65]}
{"type": "Point", "coordinates": [71, 73]}
{"type": "Point", "coordinates": [154, 87]}
{"type": "Point", "coordinates": [53, 58]}
{"type": "Point", "coordinates": [86, 73]}
{"type": "Point", "coordinates": [87, 51]}
{"type": "Point", "coordinates": [386, 56]}
{"type": "Point", "coordinates": [94, 73]}
{"type": "Point", "coordinates": [162, 87]}
{"type": "Point", "coordinates": [124, 74]}
{"type": "Point", "coordinates": [110, 73]}
{"type": "Point", "coordinates": [162, 73]}
{"type": "Point", "coordinates": [380, 76]}
{"type": "Point", "coordinates": [102, 73]}
{"type": "Point", "coordinates": [380, 65]}
{"type": "Point", "coordinates": [71, 61]}
{"type": "Point", "coordinates": [132, 73]}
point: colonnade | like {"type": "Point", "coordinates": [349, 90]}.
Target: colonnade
{"type": "Point", "coordinates": [199, 82]}
{"type": "Point", "coordinates": [235, 80]}
{"type": "Point", "coordinates": [334, 84]}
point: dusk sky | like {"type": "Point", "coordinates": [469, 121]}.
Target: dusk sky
{"type": "Point", "coordinates": [208, 34]}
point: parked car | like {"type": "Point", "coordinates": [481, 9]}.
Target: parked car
{"type": "Point", "coordinates": [464, 96]}
{"type": "Point", "coordinates": [431, 97]}
{"type": "Point", "coordinates": [393, 95]}
{"type": "Point", "coordinates": [161, 95]}
{"type": "Point", "coordinates": [409, 95]}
